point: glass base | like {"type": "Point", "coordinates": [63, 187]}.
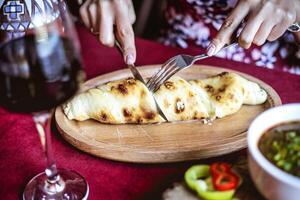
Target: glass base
{"type": "Point", "coordinates": [69, 185]}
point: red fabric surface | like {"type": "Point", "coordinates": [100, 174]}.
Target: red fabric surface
{"type": "Point", "coordinates": [21, 155]}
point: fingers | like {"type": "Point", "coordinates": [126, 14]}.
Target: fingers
{"type": "Point", "coordinates": [279, 29]}
{"type": "Point", "coordinates": [89, 15]}
{"type": "Point", "coordinates": [131, 13]}
{"type": "Point", "coordinates": [263, 33]}
{"type": "Point", "coordinates": [124, 32]}
{"type": "Point", "coordinates": [93, 16]}
{"type": "Point", "coordinates": [106, 34]}
{"type": "Point", "coordinates": [126, 37]}
{"type": "Point", "coordinates": [253, 25]}
{"type": "Point", "coordinates": [229, 27]}
{"type": "Point", "coordinates": [84, 14]}
{"type": "Point", "coordinates": [268, 20]}
{"type": "Point", "coordinates": [269, 23]}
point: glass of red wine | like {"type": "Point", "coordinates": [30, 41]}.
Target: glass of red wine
{"type": "Point", "coordinates": [40, 68]}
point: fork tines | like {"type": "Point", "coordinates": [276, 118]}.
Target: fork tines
{"type": "Point", "coordinates": [165, 72]}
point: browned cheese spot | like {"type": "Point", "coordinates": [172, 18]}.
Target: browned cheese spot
{"type": "Point", "coordinates": [103, 117]}
{"type": "Point", "coordinates": [122, 89]}
{"type": "Point", "coordinates": [223, 88]}
{"type": "Point", "coordinates": [150, 115]}
{"type": "Point", "coordinates": [127, 113]}
{"type": "Point", "coordinates": [169, 85]}
{"type": "Point", "coordinates": [218, 97]}
{"type": "Point", "coordinates": [191, 94]}
{"type": "Point", "coordinates": [131, 81]}
{"type": "Point", "coordinates": [195, 115]}
{"type": "Point", "coordinates": [143, 94]}
{"type": "Point", "coordinates": [179, 106]}
{"type": "Point", "coordinates": [230, 96]}
{"type": "Point", "coordinates": [147, 114]}
{"type": "Point", "coordinates": [220, 75]}
{"type": "Point", "coordinates": [140, 120]}
{"type": "Point", "coordinates": [223, 74]}
{"type": "Point", "coordinates": [209, 88]}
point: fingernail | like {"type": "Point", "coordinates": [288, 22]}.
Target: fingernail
{"type": "Point", "coordinates": [129, 59]}
{"type": "Point", "coordinates": [244, 43]}
{"type": "Point", "coordinates": [211, 49]}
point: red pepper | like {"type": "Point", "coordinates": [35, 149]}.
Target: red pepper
{"type": "Point", "coordinates": [225, 181]}
{"type": "Point", "coordinates": [219, 168]}
{"type": "Point", "coordinates": [222, 177]}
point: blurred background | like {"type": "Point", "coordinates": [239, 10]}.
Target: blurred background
{"type": "Point", "coordinates": [149, 17]}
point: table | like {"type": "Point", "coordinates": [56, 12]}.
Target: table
{"type": "Point", "coordinates": [21, 154]}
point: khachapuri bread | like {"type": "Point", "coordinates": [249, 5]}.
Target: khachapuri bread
{"type": "Point", "coordinates": [129, 100]}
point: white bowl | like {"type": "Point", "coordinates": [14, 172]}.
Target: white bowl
{"type": "Point", "coordinates": [271, 181]}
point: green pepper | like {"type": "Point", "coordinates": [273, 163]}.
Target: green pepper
{"type": "Point", "coordinates": [198, 178]}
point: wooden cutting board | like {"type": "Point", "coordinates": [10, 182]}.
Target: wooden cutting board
{"type": "Point", "coordinates": [165, 142]}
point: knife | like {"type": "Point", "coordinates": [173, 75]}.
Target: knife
{"type": "Point", "coordinates": [136, 74]}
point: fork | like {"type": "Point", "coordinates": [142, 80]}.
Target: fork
{"type": "Point", "coordinates": [174, 65]}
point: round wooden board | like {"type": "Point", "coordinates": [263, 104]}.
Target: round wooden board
{"type": "Point", "coordinates": [165, 142]}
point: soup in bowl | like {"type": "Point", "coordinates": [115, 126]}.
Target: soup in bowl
{"type": "Point", "coordinates": [274, 152]}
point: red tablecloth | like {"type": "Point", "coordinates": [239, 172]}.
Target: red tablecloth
{"type": "Point", "coordinates": [21, 155]}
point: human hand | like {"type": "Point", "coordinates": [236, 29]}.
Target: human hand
{"type": "Point", "coordinates": [266, 20]}
{"type": "Point", "coordinates": [100, 16]}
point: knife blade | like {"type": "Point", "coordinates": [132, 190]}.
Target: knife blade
{"type": "Point", "coordinates": [136, 74]}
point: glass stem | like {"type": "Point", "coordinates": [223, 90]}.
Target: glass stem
{"type": "Point", "coordinates": [54, 184]}
{"type": "Point", "coordinates": [43, 124]}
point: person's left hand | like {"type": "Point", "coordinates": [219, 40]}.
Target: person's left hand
{"type": "Point", "coordinates": [266, 20]}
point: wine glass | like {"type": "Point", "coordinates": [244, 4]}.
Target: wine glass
{"type": "Point", "coordinates": [40, 68]}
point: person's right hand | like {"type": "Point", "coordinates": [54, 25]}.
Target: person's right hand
{"type": "Point", "coordinates": [265, 20]}
{"type": "Point", "coordinates": [100, 16]}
